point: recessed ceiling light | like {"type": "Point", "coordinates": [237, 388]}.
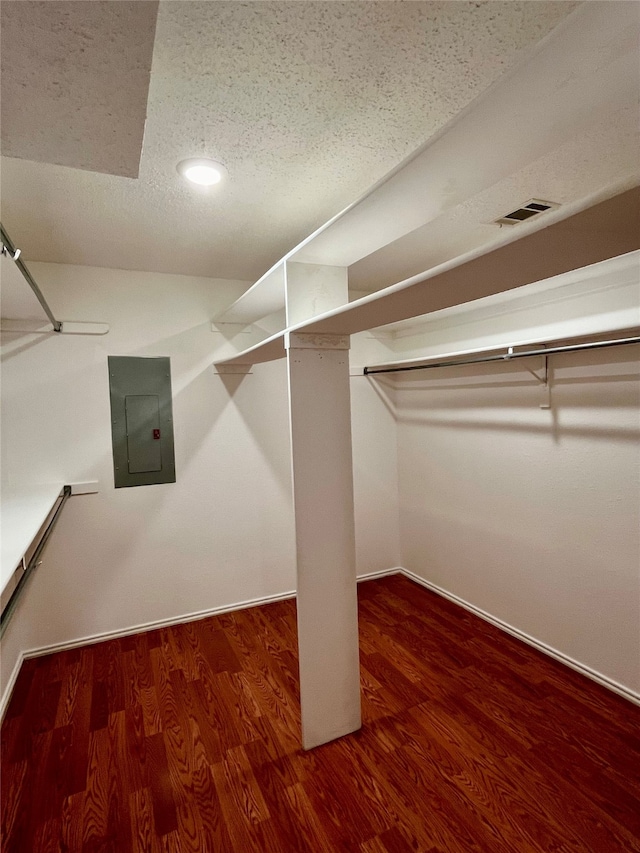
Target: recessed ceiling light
{"type": "Point", "coordinates": [202, 171]}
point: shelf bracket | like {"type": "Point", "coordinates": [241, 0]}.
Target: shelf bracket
{"type": "Point", "coordinates": [542, 376]}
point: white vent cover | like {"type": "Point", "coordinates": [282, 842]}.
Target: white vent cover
{"type": "Point", "coordinates": [534, 207]}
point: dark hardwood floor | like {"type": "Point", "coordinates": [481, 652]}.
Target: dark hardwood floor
{"type": "Point", "coordinates": [186, 739]}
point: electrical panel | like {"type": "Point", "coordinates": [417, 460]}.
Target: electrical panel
{"type": "Point", "coordinates": [141, 421]}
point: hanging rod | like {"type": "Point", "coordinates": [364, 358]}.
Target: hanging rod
{"type": "Point", "coordinates": [508, 356]}
{"type": "Point", "coordinates": [10, 606]}
{"type": "Point", "coordinates": [10, 251]}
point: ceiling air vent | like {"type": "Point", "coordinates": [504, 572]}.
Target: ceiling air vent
{"type": "Point", "coordinates": [531, 208]}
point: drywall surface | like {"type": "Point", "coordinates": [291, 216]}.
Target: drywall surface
{"type": "Point", "coordinates": [223, 533]}
{"type": "Point", "coordinates": [375, 475]}
{"type": "Point", "coordinates": [123, 557]}
{"type": "Point", "coordinates": [531, 514]}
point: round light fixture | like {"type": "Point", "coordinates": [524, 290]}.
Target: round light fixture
{"type": "Point", "coordinates": [202, 171]}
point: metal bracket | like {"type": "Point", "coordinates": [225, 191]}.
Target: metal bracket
{"type": "Point", "coordinates": [543, 379]}
{"type": "Point", "coordinates": [10, 251]}
{"type": "Point", "coordinates": [5, 250]}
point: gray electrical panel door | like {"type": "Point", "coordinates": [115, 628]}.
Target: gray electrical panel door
{"type": "Point", "coordinates": [141, 421]}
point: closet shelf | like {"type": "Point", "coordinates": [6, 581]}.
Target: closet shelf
{"type": "Point", "coordinates": [24, 511]}
{"type": "Point", "coordinates": [264, 297]}
{"type": "Point", "coordinates": [583, 233]}
{"type": "Point", "coordinates": [270, 349]}
{"type": "Point", "coordinates": [444, 174]}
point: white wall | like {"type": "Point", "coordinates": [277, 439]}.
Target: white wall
{"type": "Point", "coordinates": [223, 533]}
{"type": "Point", "coordinates": [375, 476]}
{"type": "Point", "coordinates": [530, 514]}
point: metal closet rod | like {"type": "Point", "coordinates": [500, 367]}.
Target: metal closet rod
{"type": "Point", "coordinates": [10, 250]}
{"type": "Point", "coordinates": [508, 356]}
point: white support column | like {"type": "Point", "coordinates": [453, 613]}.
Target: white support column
{"type": "Point", "coordinates": [320, 420]}
{"type": "Point", "coordinates": [313, 289]}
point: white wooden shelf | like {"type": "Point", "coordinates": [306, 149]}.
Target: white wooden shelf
{"type": "Point", "coordinates": [569, 243]}
{"type": "Point", "coordinates": [23, 512]}
{"type": "Point", "coordinates": [468, 157]}
{"type": "Point", "coordinates": [270, 349]}
{"type": "Point", "coordinates": [264, 297]}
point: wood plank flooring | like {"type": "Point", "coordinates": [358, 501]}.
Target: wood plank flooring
{"type": "Point", "coordinates": [185, 740]}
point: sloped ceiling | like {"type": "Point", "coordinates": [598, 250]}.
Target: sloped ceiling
{"type": "Point", "coordinates": [307, 103]}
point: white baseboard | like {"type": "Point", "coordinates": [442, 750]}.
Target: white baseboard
{"type": "Point", "coordinates": [6, 696]}
{"type": "Point", "coordinates": [582, 668]}
{"type": "Point", "coordinates": [180, 620]}
{"type": "Point", "coordinates": [159, 623]}
{"type": "Point", "coordinates": [92, 639]}
{"type": "Point", "coordinates": [383, 573]}
{"type": "Point", "coordinates": [620, 689]}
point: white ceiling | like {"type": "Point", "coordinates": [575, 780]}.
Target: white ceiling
{"type": "Point", "coordinates": [307, 103]}
{"type": "Point", "coordinates": [75, 81]}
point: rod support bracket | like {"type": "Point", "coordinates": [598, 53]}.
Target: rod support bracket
{"type": "Point", "coordinates": [14, 255]}
{"type": "Point", "coordinates": [541, 376]}
{"type": "Point", "coordinates": [10, 251]}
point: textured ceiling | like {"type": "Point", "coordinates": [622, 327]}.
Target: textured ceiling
{"type": "Point", "coordinates": [307, 103]}
{"type": "Point", "coordinates": [75, 80]}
